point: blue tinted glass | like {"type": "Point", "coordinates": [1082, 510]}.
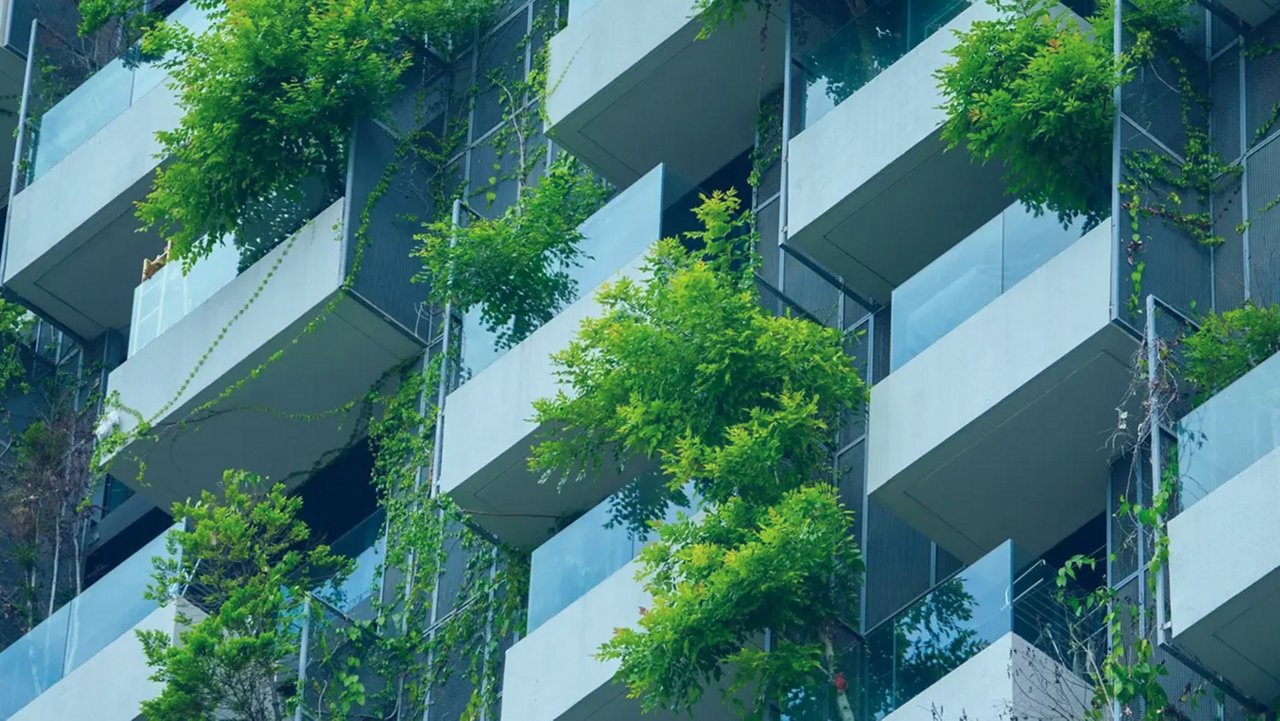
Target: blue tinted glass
{"type": "Point", "coordinates": [1229, 432]}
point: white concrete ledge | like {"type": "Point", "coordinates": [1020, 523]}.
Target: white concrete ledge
{"type": "Point", "coordinates": [112, 685]}
{"type": "Point", "coordinates": [1224, 578]}
{"type": "Point", "coordinates": [76, 222]}
{"type": "Point", "coordinates": [630, 87]}
{"type": "Point", "coordinates": [999, 429]}
{"type": "Point", "coordinates": [279, 422]}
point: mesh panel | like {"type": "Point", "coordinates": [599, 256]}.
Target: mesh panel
{"type": "Point", "coordinates": [449, 699]}
{"type": "Point", "coordinates": [767, 223]}
{"type": "Point", "coordinates": [1225, 115]}
{"type": "Point", "coordinates": [1124, 539]}
{"type": "Point", "coordinates": [1262, 82]}
{"type": "Point", "coordinates": [898, 563]}
{"type": "Point", "coordinates": [810, 291]}
{"type": "Point", "coordinates": [880, 345]}
{"type": "Point", "coordinates": [449, 585]}
{"type": "Point", "coordinates": [856, 346]}
{"type": "Point", "coordinates": [385, 277]}
{"type": "Point", "coordinates": [1178, 268]}
{"type": "Point", "coordinates": [945, 564]}
{"type": "Point", "coordinates": [850, 468]}
{"type": "Point", "coordinates": [1228, 258]}
{"type": "Point", "coordinates": [500, 62]}
{"type": "Point", "coordinates": [1153, 102]}
{"type": "Point", "coordinates": [1264, 229]}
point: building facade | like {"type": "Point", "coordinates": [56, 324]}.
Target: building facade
{"type": "Point", "coordinates": [1009, 355]}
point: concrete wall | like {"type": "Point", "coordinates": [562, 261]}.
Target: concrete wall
{"type": "Point", "coordinates": [990, 355]}
{"type": "Point", "coordinates": [630, 87]}
{"type": "Point", "coordinates": [108, 687]}
{"type": "Point", "coordinates": [1031, 383]}
{"type": "Point", "coordinates": [1224, 578]}
{"type": "Point", "coordinates": [150, 380]}
{"type": "Point", "coordinates": [861, 175]}
{"type": "Point", "coordinates": [77, 220]}
{"type": "Point", "coordinates": [605, 42]}
{"type": "Point", "coordinates": [489, 431]}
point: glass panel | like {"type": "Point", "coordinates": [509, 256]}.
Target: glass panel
{"type": "Point", "coordinates": [620, 231]}
{"type": "Point", "coordinates": [101, 99]}
{"type": "Point", "coordinates": [866, 46]}
{"type": "Point", "coordinates": [33, 663]}
{"type": "Point", "coordinates": [972, 274]}
{"type": "Point", "coordinates": [168, 296]}
{"type": "Point", "coordinates": [367, 546]}
{"type": "Point", "coordinates": [109, 608]}
{"type": "Point", "coordinates": [592, 548]}
{"type": "Point", "coordinates": [933, 636]}
{"type": "Point", "coordinates": [948, 290]}
{"type": "Point", "coordinates": [1229, 432]}
{"type": "Point", "coordinates": [93, 620]}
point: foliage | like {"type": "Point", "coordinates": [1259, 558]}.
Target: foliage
{"type": "Point", "coordinates": [688, 369]}
{"type": "Point", "coordinates": [517, 268]}
{"type": "Point", "coordinates": [1033, 91]}
{"type": "Point", "coordinates": [246, 562]}
{"type": "Point", "coordinates": [715, 13]}
{"type": "Point", "coordinates": [45, 503]}
{"type": "Point", "coordinates": [1229, 344]}
{"type": "Point", "coordinates": [287, 80]}
{"type": "Point", "coordinates": [14, 326]}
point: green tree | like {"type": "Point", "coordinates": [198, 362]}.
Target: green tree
{"type": "Point", "coordinates": [517, 268]}
{"type": "Point", "coordinates": [1032, 90]}
{"type": "Point", "coordinates": [687, 368]}
{"type": "Point", "coordinates": [1229, 344]}
{"type": "Point", "coordinates": [270, 93]}
{"type": "Point", "coordinates": [247, 563]}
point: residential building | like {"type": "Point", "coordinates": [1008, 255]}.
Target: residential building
{"type": "Point", "coordinates": [1005, 351]}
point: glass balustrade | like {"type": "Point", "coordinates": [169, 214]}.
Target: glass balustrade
{"type": "Point", "coordinates": [366, 545]}
{"type": "Point", "coordinates": [593, 547]}
{"type": "Point", "coordinates": [851, 54]}
{"type": "Point", "coordinates": [975, 272]}
{"type": "Point", "coordinates": [916, 647]}
{"type": "Point", "coordinates": [621, 230]}
{"type": "Point", "coordinates": [167, 297]}
{"type": "Point", "coordinates": [103, 97]}
{"type": "Point", "coordinates": [1229, 432]}
{"type": "Point", "coordinates": [75, 633]}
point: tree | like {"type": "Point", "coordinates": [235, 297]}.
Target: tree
{"type": "Point", "coordinates": [46, 509]}
{"type": "Point", "coordinates": [286, 79]}
{"type": "Point", "coordinates": [247, 562]}
{"type": "Point", "coordinates": [687, 368]}
{"type": "Point", "coordinates": [516, 267]}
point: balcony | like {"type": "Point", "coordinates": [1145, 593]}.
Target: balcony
{"type": "Point", "coordinates": [582, 586]}
{"type": "Point", "coordinates": [204, 383]}
{"type": "Point", "coordinates": [632, 87]}
{"type": "Point", "coordinates": [1228, 461]}
{"type": "Point", "coordinates": [85, 660]}
{"type": "Point", "coordinates": [982, 644]}
{"type": "Point", "coordinates": [1015, 331]}
{"type": "Point", "coordinates": [986, 644]}
{"type": "Point", "coordinates": [488, 430]}
{"type": "Point", "coordinates": [87, 160]}
{"type": "Point", "coordinates": [871, 149]}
